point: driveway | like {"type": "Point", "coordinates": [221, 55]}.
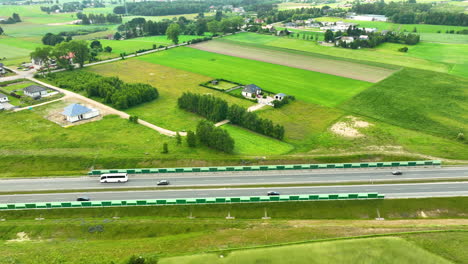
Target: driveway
{"type": "Point", "coordinates": [7, 106]}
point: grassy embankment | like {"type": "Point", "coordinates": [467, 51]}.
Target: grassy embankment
{"type": "Point", "coordinates": [88, 235]}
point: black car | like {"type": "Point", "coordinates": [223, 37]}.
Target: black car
{"type": "Point", "coordinates": [270, 193]}
{"type": "Point", "coordinates": [397, 173]}
{"type": "Point", "coordinates": [83, 199]}
{"type": "Point", "coordinates": [163, 182]}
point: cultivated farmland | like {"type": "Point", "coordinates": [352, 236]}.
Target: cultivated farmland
{"type": "Point", "coordinates": [304, 61]}
{"type": "Point", "coordinates": [313, 87]}
{"type": "Point", "coordinates": [386, 53]}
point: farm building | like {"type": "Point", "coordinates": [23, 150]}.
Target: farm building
{"type": "Point", "coordinates": [3, 98]}
{"type": "Point", "coordinates": [35, 91]}
{"type": "Point", "coordinates": [77, 112]}
{"type": "Point", "coordinates": [251, 91]}
{"type": "Point", "coordinates": [280, 96]}
{"type": "Point", "coordinates": [364, 37]}
{"type": "Point", "coordinates": [347, 40]}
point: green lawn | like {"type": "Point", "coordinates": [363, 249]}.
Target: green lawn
{"type": "Point", "coordinates": [372, 250]}
{"type": "Point", "coordinates": [32, 145]}
{"type": "Point", "coordinates": [430, 102]}
{"type": "Point", "coordinates": [250, 143]}
{"type": "Point", "coordinates": [324, 89]}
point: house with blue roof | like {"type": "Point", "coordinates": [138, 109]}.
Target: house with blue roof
{"type": "Point", "coordinates": [77, 112]}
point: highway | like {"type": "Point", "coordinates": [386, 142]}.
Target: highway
{"type": "Point", "coordinates": [235, 178]}
{"type": "Point", "coordinates": [438, 189]}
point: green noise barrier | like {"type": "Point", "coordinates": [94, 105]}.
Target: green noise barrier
{"type": "Point", "coordinates": [210, 200]}
{"type": "Point", "coordinates": [272, 167]}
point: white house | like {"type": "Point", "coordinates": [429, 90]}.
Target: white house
{"type": "Point", "coordinates": [3, 98]}
{"type": "Point", "coordinates": [280, 96]}
{"type": "Point", "coordinates": [251, 91]}
{"type": "Point", "coordinates": [363, 37]}
{"type": "Point", "coordinates": [77, 112]}
{"type": "Point", "coordinates": [35, 91]}
{"type": "Point", "coordinates": [347, 40]}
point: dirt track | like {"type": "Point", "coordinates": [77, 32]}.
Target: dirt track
{"type": "Point", "coordinates": [346, 69]}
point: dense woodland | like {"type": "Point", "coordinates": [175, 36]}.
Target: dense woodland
{"type": "Point", "coordinates": [276, 15]}
{"type": "Point", "coordinates": [111, 90]}
{"type": "Point", "coordinates": [214, 137]}
{"type": "Point", "coordinates": [412, 13]}
{"type": "Point", "coordinates": [99, 18]}
{"type": "Point", "coordinates": [15, 18]}
{"type": "Point", "coordinates": [187, 7]}
{"type": "Point", "coordinates": [216, 109]}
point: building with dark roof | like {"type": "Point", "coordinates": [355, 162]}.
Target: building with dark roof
{"type": "Point", "coordinates": [35, 91]}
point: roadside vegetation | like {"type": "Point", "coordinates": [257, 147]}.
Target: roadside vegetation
{"type": "Point", "coordinates": [97, 235]}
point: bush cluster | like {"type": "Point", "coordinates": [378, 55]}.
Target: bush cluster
{"type": "Point", "coordinates": [214, 137]}
{"type": "Point", "coordinates": [112, 90]}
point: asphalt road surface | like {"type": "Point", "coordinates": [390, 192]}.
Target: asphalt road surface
{"type": "Point", "coordinates": [439, 189]}
{"type": "Point", "coordinates": [235, 178]}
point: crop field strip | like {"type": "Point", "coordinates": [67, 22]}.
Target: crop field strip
{"type": "Point", "coordinates": [309, 62]}
{"type": "Point", "coordinates": [383, 55]}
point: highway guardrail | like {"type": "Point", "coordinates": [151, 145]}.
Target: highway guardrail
{"type": "Point", "coordinates": [272, 167]}
{"type": "Point", "coordinates": [209, 200]}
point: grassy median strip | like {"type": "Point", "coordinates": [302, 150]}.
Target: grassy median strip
{"type": "Point", "coordinates": [236, 186]}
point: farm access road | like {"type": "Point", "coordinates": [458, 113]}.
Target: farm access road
{"type": "Point", "coordinates": [407, 190]}
{"type": "Point", "coordinates": [200, 179]}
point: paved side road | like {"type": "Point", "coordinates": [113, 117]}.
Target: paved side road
{"type": "Point", "coordinates": [390, 191]}
{"type": "Point", "coordinates": [233, 178]}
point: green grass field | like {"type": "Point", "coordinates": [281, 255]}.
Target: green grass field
{"type": "Point", "coordinates": [434, 103]}
{"type": "Point", "coordinates": [250, 143]}
{"type": "Point", "coordinates": [33, 145]}
{"type": "Point", "coordinates": [164, 231]}
{"type": "Point", "coordinates": [326, 89]}
{"type": "Point", "coordinates": [171, 84]}
{"type": "Point", "coordinates": [381, 250]}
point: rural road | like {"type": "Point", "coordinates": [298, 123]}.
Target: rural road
{"type": "Point", "coordinates": [439, 189]}
{"type": "Point", "coordinates": [234, 178]}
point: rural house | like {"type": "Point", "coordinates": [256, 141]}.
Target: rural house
{"type": "Point", "coordinates": [346, 40]}
{"type": "Point", "coordinates": [3, 98]}
{"type": "Point", "coordinates": [251, 91]}
{"type": "Point", "coordinates": [77, 112]}
{"type": "Point", "coordinates": [280, 96]}
{"type": "Point", "coordinates": [35, 91]}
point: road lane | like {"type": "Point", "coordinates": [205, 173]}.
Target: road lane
{"type": "Point", "coordinates": [439, 189]}
{"type": "Point", "coordinates": [234, 178]}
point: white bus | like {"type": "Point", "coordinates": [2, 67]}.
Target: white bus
{"type": "Point", "coordinates": [114, 177]}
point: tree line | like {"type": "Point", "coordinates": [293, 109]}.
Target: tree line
{"type": "Point", "coordinates": [412, 13]}
{"type": "Point", "coordinates": [15, 18]}
{"type": "Point", "coordinates": [216, 109]}
{"type": "Point", "coordinates": [111, 90]}
{"type": "Point", "coordinates": [276, 15]}
{"type": "Point", "coordinates": [99, 18]}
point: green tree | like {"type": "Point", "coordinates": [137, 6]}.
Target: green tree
{"type": "Point", "coordinates": [173, 32]}
{"type": "Point", "coordinates": [328, 36]}
{"type": "Point", "coordinates": [80, 50]}
{"type": "Point", "coordinates": [43, 54]}
{"type": "Point", "coordinates": [1, 31]}
{"type": "Point", "coordinates": [16, 17]}
{"type": "Point", "coordinates": [165, 149]}
{"type": "Point", "coordinates": [219, 15]}
{"type": "Point", "coordinates": [117, 36]}
{"type": "Point", "coordinates": [213, 27]}
{"type": "Point", "coordinates": [191, 139]}
{"type": "Point", "coordinates": [178, 138]}
{"type": "Point", "coordinates": [96, 44]}
{"type": "Point", "coordinates": [108, 49]}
